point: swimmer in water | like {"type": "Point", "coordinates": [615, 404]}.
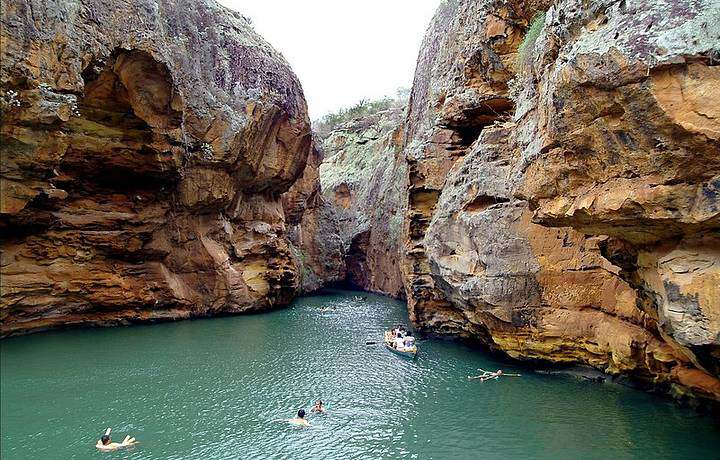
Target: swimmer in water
{"type": "Point", "coordinates": [488, 375]}
{"type": "Point", "coordinates": [106, 444]}
{"type": "Point", "coordinates": [299, 420]}
{"type": "Point", "coordinates": [318, 407]}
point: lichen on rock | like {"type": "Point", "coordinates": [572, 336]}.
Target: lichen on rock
{"type": "Point", "coordinates": [146, 146]}
{"type": "Point", "coordinates": [562, 206]}
{"type": "Point", "coordinates": [363, 177]}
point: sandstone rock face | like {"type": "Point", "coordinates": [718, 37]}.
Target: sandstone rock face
{"type": "Point", "coordinates": [562, 200]}
{"type": "Point", "coordinates": [633, 152]}
{"type": "Point", "coordinates": [145, 148]}
{"type": "Point", "coordinates": [314, 229]}
{"type": "Point", "coordinates": [364, 178]}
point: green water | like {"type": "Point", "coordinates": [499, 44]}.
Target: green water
{"type": "Point", "coordinates": [212, 389]}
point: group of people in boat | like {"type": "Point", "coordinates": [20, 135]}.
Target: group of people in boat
{"type": "Point", "coordinates": [401, 339]}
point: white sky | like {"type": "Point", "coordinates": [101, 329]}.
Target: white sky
{"type": "Point", "coordinates": [343, 50]}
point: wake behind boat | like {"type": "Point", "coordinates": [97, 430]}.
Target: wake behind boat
{"type": "Point", "coordinates": [400, 343]}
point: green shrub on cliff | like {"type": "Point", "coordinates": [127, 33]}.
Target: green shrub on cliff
{"type": "Point", "coordinates": [362, 109]}
{"type": "Point", "coordinates": [526, 47]}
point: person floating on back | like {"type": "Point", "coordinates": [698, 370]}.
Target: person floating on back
{"type": "Point", "coordinates": [318, 407]}
{"type": "Point", "coordinates": [488, 375]}
{"type": "Point", "coordinates": [106, 444]}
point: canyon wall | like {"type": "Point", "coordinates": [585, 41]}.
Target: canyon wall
{"type": "Point", "coordinates": [552, 189]}
{"type": "Point", "coordinates": [563, 203]}
{"type": "Point", "coordinates": [315, 229]}
{"type": "Point", "coordinates": [146, 146]}
{"type": "Point", "coordinates": [363, 177]}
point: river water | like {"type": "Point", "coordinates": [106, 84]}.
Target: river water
{"type": "Point", "coordinates": [212, 389]}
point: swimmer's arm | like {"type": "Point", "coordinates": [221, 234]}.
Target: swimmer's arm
{"type": "Point", "coordinates": [111, 446]}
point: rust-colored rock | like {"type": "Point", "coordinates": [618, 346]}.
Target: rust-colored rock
{"type": "Point", "coordinates": [633, 152]}
{"type": "Point", "coordinates": [314, 229]}
{"type": "Point", "coordinates": [145, 149]}
{"type": "Point", "coordinates": [364, 178]}
{"type": "Point", "coordinates": [602, 127]}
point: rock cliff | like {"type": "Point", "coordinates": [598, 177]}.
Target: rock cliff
{"type": "Point", "coordinates": [363, 177]}
{"type": "Point", "coordinates": [552, 189]}
{"type": "Point", "coordinates": [315, 229]}
{"type": "Point", "coordinates": [146, 145]}
{"type": "Point", "coordinates": [562, 164]}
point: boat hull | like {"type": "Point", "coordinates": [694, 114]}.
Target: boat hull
{"type": "Point", "coordinates": [404, 354]}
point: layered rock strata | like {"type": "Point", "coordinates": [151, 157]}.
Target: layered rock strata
{"type": "Point", "coordinates": [315, 230]}
{"type": "Point", "coordinates": [364, 178]}
{"type": "Point", "coordinates": [145, 149]}
{"type": "Point", "coordinates": [562, 185]}
{"type": "Point", "coordinates": [633, 153]}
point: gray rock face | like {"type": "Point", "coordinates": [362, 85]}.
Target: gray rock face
{"type": "Point", "coordinates": [517, 137]}
{"type": "Point", "coordinates": [620, 139]}
{"type": "Point", "coordinates": [145, 147]}
{"type": "Point", "coordinates": [363, 176]}
{"type": "Point", "coordinates": [315, 229]}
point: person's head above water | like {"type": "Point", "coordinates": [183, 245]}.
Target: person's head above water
{"type": "Point", "coordinates": [318, 403]}
{"type": "Point", "coordinates": [301, 413]}
{"type": "Point", "coordinates": [105, 438]}
{"type": "Point", "coordinates": [499, 371]}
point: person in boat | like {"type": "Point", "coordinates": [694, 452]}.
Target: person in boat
{"type": "Point", "coordinates": [318, 407]}
{"type": "Point", "coordinates": [399, 342]}
{"type": "Point", "coordinates": [106, 444]}
{"type": "Point", "coordinates": [300, 419]}
{"type": "Point", "coordinates": [409, 341]}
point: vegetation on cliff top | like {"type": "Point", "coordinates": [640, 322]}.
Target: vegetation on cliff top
{"type": "Point", "coordinates": [362, 109]}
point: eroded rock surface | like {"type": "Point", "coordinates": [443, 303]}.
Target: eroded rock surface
{"type": "Point", "coordinates": [363, 177]}
{"type": "Point", "coordinates": [145, 149]}
{"type": "Point", "coordinates": [314, 228]}
{"type": "Point", "coordinates": [562, 200]}
{"type": "Point", "coordinates": [633, 152]}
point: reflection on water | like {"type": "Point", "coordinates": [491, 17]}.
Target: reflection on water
{"type": "Point", "coordinates": [212, 389]}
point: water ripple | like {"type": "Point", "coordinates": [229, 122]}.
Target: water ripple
{"type": "Point", "coordinates": [214, 389]}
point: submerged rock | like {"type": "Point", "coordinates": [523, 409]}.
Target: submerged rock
{"type": "Point", "coordinates": [146, 146]}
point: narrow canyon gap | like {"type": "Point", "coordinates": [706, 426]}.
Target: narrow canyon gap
{"type": "Point", "coordinates": [550, 190]}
